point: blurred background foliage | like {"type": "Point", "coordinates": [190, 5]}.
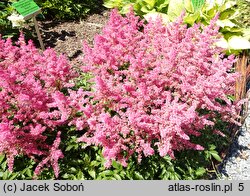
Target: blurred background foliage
{"type": "Point", "coordinates": [233, 19]}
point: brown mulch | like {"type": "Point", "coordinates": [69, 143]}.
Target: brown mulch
{"type": "Point", "coordinates": [67, 37]}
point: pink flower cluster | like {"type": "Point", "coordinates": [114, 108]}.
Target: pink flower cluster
{"type": "Point", "coordinates": [31, 101]}
{"type": "Point", "coordinates": [151, 83]}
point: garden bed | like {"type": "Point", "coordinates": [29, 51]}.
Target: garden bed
{"type": "Point", "coordinates": [141, 117]}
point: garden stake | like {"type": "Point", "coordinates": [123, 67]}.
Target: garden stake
{"type": "Point", "coordinates": [38, 33]}
{"type": "Point", "coordinates": [29, 9]}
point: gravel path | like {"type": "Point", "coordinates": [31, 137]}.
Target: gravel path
{"type": "Point", "coordinates": [236, 166]}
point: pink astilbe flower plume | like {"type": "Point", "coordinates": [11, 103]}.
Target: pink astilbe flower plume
{"type": "Point", "coordinates": [54, 155]}
{"type": "Point", "coordinates": [151, 81]}
{"type": "Point", "coordinates": [31, 101]}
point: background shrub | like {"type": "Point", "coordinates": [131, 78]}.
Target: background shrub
{"type": "Point", "coordinates": [68, 9]}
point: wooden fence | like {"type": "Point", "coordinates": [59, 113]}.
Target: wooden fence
{"type": "Point", "coordinates": [242, 84]}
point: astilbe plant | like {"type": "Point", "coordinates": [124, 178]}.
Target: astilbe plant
{"type": "Point", "coordinates": [155, 86]}
{"type": "Point", "coordinates": [32, 105]}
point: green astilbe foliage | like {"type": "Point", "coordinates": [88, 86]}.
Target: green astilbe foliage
{"type": "Point", "coordinates": [87, 163]}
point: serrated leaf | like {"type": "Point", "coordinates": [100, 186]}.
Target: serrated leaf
{"type": "Point", "coordinates": [13, 177]}
{"type": "Point", "coordinates": [172, 176]}
{"type": "Point", "coordinates": [5, 175]}
{"type": "Point", "coordinates": [215, 155]}
{"type": "Point", "coordinates": [108, 178]}
{"type": "Point", "coordinates": [190, 169]}
{"type": "Point", "coordinates": [92, 173]}
{"type": "Point", "coordinates": [74, 177]}
{"type": "Point", "coordinates": [99, 178]}
{"type": "Point", "coordinates": [106, 173]}
{"type": "Point", "coordinates": [137, 6]}
{"type": "Point", "coordinates": [4, 165]}
{"type": "Point", "coordinates": [73, 170]}
{"type": "Point", "coordinates": [117, 177]}
{"type": "Point", "coordinates": [200, 171]}
{"type": "Point", "coordinates": [24, 171]}
{"type": "Point", "coordinates": [211, 11]}
{"type": "Point", "coordinates": [80, 175]}
{"type": "Point", "coordinates": [138, 176]}
{"type": "Point", "coordinates": [122, 174]}
{"type": "Point", "coordinates": [116, 165]}
{"type": "Point", "coordinates": [234, 31]}
{"type": "Point", "coordinates": [238, 43]}
{"type": "Point", "coordinates": [28, 172]}
{"type": "Point", "coordinates": [212, 147]}
{"type": "Point", "coordinates": [95, 163]}
{"type": "Point", "coordinates": [65, 176]}
{"type": "Point", "coordinates": [69, 148]}
{"type": "Point", "coordinates": [2, 158]}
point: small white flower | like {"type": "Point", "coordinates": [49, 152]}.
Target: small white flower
{"type": "Point", "coordinates": [16, 20]}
